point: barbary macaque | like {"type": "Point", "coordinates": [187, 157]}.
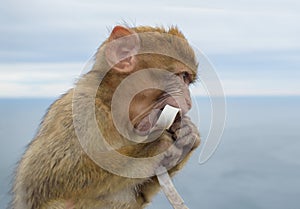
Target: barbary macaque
{"type": "Point", "coordinates": [60, 171]}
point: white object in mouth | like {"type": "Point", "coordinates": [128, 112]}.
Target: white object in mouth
{"type": "Point", "coordinates": [166, 118]}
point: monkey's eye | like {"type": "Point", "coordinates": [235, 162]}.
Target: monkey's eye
{"type": "Point", "coordinates": [186, 77]}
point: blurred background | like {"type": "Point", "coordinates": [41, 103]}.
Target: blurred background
{"type": "Point", "coordinates": [254, 46]}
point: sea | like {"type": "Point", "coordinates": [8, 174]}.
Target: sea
{"type": "Point", "coordinates": [255, 166]}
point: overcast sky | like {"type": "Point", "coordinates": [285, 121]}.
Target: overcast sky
{"type": "Point", "coordinates": [254, 45]}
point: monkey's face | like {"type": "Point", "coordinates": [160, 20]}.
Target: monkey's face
{"type": "Point", "coordinates": [170, 78]}
{"type": "Point", "coordinates": [146, 106]}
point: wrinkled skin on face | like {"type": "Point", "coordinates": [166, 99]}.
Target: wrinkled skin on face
{"type": "Point", "coordinates": [147, 105]}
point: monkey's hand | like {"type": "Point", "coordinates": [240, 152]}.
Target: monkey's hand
{"type": "Point", "coordinates": [186, 138]}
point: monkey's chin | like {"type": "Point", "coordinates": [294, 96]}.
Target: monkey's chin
{"type": "Point", "coordinates": [147, 123]}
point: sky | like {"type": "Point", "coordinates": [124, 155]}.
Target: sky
{"type": "Point", "coordinates": [253, 45]}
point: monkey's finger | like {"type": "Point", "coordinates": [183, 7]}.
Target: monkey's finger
{"type": "Point", "coordinates": [186, 142]}
{"type": "Point", "coordinates": [171, 157]}
{"type": "Point", "coordinates": [180, 123]}
{"type": "Point", "coordinates": [180, 133]}
{"type": "Point", "coordinates": [187, 121]}
{"type": "Point", "coordinates": [194, 142]}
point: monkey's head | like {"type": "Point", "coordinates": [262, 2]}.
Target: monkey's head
{"type": "Point", "coordinates": [152, 67]}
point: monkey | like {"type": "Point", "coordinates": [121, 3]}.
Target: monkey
{"type": "Point", "coordinates": [56, 172]}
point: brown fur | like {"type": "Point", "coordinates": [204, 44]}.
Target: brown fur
{"type": "Point", "coordinates": [56, 173]}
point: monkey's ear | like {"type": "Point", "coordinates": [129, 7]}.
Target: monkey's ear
{"type": "Point", "coordinates": [121, 48]}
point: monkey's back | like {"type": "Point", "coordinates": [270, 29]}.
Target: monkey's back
{"type": "Point", "coordinates": [54, 168]}
{"type": "Point", "coordinates": [53, 160]}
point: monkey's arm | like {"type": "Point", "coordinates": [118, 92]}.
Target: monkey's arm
{"type": "Point", "coordinates": [187, 139]}
{"type": "Point", "coordinates": [185, 136]}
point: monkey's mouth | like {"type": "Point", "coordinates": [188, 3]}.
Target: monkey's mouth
{"type": "Point", "coordinates": [148, 118]}
{"type": "Point", "coordinates": [144, 127]}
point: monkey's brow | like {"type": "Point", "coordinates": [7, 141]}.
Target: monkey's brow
{"type": "Point", "coordinates": [194, 74]}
